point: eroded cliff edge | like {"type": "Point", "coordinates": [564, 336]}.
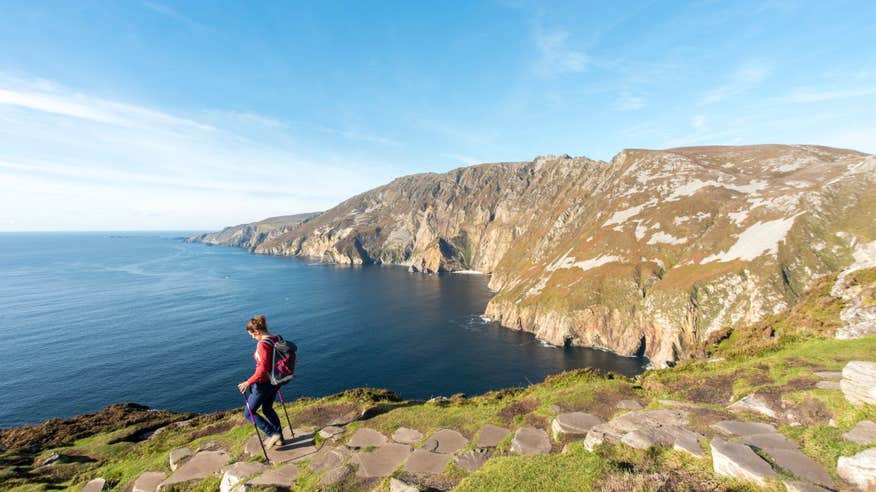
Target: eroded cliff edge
{"type": "Point", "coordinates": [649, 253]}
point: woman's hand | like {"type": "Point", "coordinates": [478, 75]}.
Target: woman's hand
{"type": "Point", "coordinates": [243, 386]}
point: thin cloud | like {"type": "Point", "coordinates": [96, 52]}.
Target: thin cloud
{"type": "Point", "coordinates": [171, 13]}
{"type": "Point", "coordinates": [556, 55]}
{"type": "Point", "coordinates": [741, 81]}
{"type": "Point", "coordinates": [808, 95]}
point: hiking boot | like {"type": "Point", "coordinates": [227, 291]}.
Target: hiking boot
{"type": "Point", "coordinates": [272, 440]}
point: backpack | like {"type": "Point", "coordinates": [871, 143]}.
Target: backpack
{"type": "Point", "coordinates": [283, 360]}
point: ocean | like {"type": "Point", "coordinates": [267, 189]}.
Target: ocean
{"type": "Point", "coordinates": [92, 319]}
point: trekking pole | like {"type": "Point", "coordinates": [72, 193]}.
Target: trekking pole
{"type": "Point", "coordinates": [252, 417]}
{"type": "Point", "coordinates": [282, 402]}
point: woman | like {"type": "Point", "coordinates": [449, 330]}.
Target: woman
{"type": "Point", "coordinates": [263, 392]}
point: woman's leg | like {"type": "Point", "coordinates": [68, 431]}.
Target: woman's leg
{"type": "Point", "coordinates": [268, 408]}
{"type": "Point", "coordinates": [256, 399]}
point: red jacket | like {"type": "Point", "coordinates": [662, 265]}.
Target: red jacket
{"type": "Point", "coordinates": [263, 356]}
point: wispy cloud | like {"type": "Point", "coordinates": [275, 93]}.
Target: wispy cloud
{"type": "Point", "coordinates": [745, 78]}
{"type": "Point", "coordinates": [171, 13]}
{"type": "Point", "coordinates": [557, 57]}
{"type": "Point", "coordinates": [808, 95]}
{"type": "Point", "coordinates": [628, 102]}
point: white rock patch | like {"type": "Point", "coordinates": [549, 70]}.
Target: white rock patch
{"type": "Point", "coordinates": [621, 216]}
{"type": "Point", "coordinates": [760, 238]}
{"type": "Point", "coordinates": [596, 262]}
{"type": "Point", "coordinates": [664, 238]}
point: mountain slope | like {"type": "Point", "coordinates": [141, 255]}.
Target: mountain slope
{"type": "Point", "coordinates": [649, 253]}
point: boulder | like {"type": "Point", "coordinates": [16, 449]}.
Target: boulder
{"type": "Point", "coordinates": [148, 481]}
{"type": "Point", "coordinates": [403, 435]}
{"type": "Point", "coordinates": [331, 432]}
{"type": "Point", "coordinates": [382, 461]}
{"type": "Point", "coordinates": [753, 403]}
{"type": "Point", "coordinates": [738, 428]}
{"type": "Point", "coordinates": [629, 405]}
{"type": "Point", "coordinates": [95, 485]}
{"type": "Point", "coordinates": [574, 423]}
{"type": "Point", "coordinates": [396, 485]}
{"type": "Point", "coordinates": [427, 462]}
{"type": "Point", "coordinates": [200, 466]}
{"type": "Point", "coordinates": [859, 470]}
{"type": "Point", "coordinates": [237, 472]}
{"type": "Point", "coordinates": [178, 457]}
{"type": "Point", "coordinates": [859, 382]}
{"type": "Point", "coordinates": [529, 440]}
{"type": "Point", "coordinates": [283, 476]}
{"type": "Point", "coordinates": [336, 475]}
{"type": "Point", "coordinates": [738, 461]}
{"type": "Point", "coordinates": [863, 433]}
{"type": "Point", "coordinates": [491, 435]}
{"type": "Point", "coordinates": [366, 437]}
{"type": "Point", "coordinates": [445, 441]}
{"type": "Point", "coordinates": [472, 461]}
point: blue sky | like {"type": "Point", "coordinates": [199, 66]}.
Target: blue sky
{"type": "Point", "coordinates": [195, 115]}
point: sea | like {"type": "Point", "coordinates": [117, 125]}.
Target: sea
{"type": "Point", "coordinates": [92, 319]}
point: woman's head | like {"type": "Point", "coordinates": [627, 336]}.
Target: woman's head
{"type": "Point", "coordinates": [257, 325]}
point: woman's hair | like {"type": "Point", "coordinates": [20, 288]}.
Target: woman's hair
{"type": "Point", "coordinates": [257, 324]}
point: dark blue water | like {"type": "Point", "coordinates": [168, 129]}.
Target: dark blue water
{"type": "Point", "coordinates": [91, 319]}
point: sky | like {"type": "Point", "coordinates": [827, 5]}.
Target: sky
{"type": "Point", "coordinates": [155, 115]}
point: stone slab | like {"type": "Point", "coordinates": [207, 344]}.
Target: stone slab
{"type": "Point", "coordinates": [739, 428]}
{"type": "Point", "coordinates": [859, 470]}
{"type": "Point", "coordinates": [200, 466]}
{"type": "Point", "coordinates": [629, 405]}
{"type": "Point", "coordinates": [472, 461]}
{"type": "Point", "coordinates": [396, 485]}
{"type": "Point", "coordinates": [801, 466]}
{"type": "Point", "coordinates": [403, 435]}
{"type": "Point", "coordinates": [366, 437]}
{"type": "Point", "coordinates": [641, 419]}
{"type": "Point", "coordinates": [574, 423]}
{"type": "Point", "coordinates": [282, 476]}
{"type": "Point", "coordinates": [330, 432]}
{"type": "Point", "coordinates": [328, 458]}
{"type": "Point", "coordinates": [753, 403]}
{"type": "Point", "coordinates": [148, 481]}
{"type": "Point", "coordinates": [863, 433]}
{"type": "Point", "coordinates": [95, 485]}
{"type": "Point", "coordinates": [237, 472]}
{"type": "Point", "coordinates": [427, 462]}
{"type": "Point", "coordinates": [336, 475]}
{"type": "Point", "coordinates": [491, 435]}
{"type": "Point", "coordinates": [446, 440]}
{"type": "Point", "coordinates": [529, 441]}
{"type": "Point", "coordinates": [382, 461]}
{"type": "Point", "coordinates": [178, 457]}
{"type": "Point", "coordinates": [859, 382]}
{"type": "Point", "coordinates": [738, 461]}
{"type": "Point", "coordinates": [828, 385]}
{"type": "Point", "coordinates": [803, 487]}
{"type": "Point", "coordinates": [301, 447]}
{"type": "Point", "coordinates": [834, 375]}
{"type": "Point", "coordinates": [769, 441]}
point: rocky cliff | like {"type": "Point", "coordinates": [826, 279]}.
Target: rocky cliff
{"type": "Point", "coordinates": [649, 253]}
{"type": "Point", "coordinates": [252, 234]}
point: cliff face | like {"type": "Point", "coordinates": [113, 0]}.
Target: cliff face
{"type": "Point", "coordinates": [250, 235]}
{"type": "Point", "coordinates": [649, 253]}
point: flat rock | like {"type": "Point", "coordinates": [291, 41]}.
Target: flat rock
{"type": "Point", "coordinates": [209, 446]}
{"type": "Point", "coordinates": [600, 434]}
{"type": "Point", "coordinates": [382, 461]}
{"type": "Point", "coordinates": [178, 457]}
{"type": "Point", "coordinates": [833, 375]}
{"type": "Point", "coordinates": [574, 423]}
{"type": "Point", "coordinates": [403, 435]}
{"type": "Point", "coordinates": [336, 475]}
{"type": "Point", "coordinates": [770, 441]}
{"type": "Point", "coordinates": [753, 403]}
{"type": "Point", "coordinates": [200, 466]}
{"type": "Point", "coordinates": [629, 405]}
{"type": "Point", "coordinates": [283, 476]}
{"type": "Point", "coordinates": [859, 382]}
{"type": "Point", "coordinates": [366, 437]}
{"type": "Point", "coordinates": [641, 419]}
{"type": "Point", "coordinates": [735, 460]}
{"type": "Point", "coordinates": [801, 466]}
{"type": "Point", "coordinates": [828, 385]}
{"type": "Point", "coordinates": [237, 472]}
{"type": "Point", "coordinates": [472, 461]}
{"type": "Point", "coordinates": [529, 440]}
{"type": "Point", "coordinates": [803, 487]}
{"type": "Point", "coordinates": [396, 485]}
{"type": "Point", "coordinates": [446, 441]}
{"type": "Point", "coordinates": [863, 433]}
{"type": "Point", "coordinates": [422, 461]}
{"type": "Point", "coordinates": [859, 470]}
{"type": "Point", "coordinates": [327, 458]}
{"type": "Point", "coordinates": [672, 436]}
{"type": "Point", "coordinates": [148, 481]}
{"type": "Point", "coordinates": [302, 446]}
{"type": "Point", "coordinates": [738, 428]}
{"type": "Point", "coordinates": [330, 432]}
{"type": "Point", "coordinates": [95, 485]}
{"type": "Point", "coordinates": [491, 435]}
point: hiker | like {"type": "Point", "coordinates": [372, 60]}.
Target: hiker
{"type": "Point", "coordinates": [262, 391]}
